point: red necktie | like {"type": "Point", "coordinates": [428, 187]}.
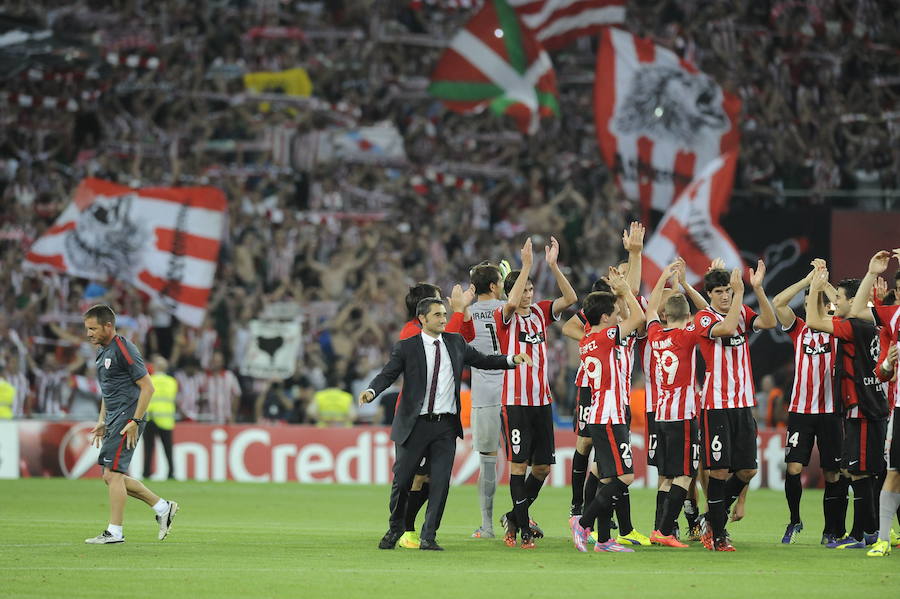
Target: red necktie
{"type": "Point", "coordinates": [434, 376]}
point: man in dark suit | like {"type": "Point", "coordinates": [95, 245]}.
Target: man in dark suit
{"type": "Point", "coordinates": [426, 419]}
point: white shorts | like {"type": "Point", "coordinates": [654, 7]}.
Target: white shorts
{"type": "Point", "coordinates": [486, 429]}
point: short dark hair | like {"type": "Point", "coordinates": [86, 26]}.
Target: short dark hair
{"type": "Point", "coordinates": [597, 305]}
{"type": "Point", "coordinates": [601, 285]}
{"type": "Point", "coordinates": [103, 313]}
{"type": "Point", "coordinates": [510, 280]}
{"type": "Point", "coordinates": [717, 277]}
{"type": "Point", "coordinates": [483, 275]}
{"type": "Point", "coordinates": [677, 307]}
{"type": "Point", "coordinates": [417, 293]}
{"type": "Point", "coordinates": [850, 287]}
{"type": "Point", "coordinates": [424, 305]}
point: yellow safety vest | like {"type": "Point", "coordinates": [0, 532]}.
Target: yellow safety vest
{"type": "Point", "coordinates": [7, 397]}
{"type": "Point", "coordinates": [162, 405]}
{"type": "Point", "coordinates": [333, 406]}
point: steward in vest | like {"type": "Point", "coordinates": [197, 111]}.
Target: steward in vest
{"type": "Point", "coordinates": [160, 415]}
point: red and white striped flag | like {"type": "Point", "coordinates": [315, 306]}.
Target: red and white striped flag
{"type": "Point", "coordinates": [163, 240]}
{"type": "Point", "coordinates": [556, 23]}
{"type": "Point", "coordinates": [659, 120]}
{"type": "Point", "coordinates": [691, 229]}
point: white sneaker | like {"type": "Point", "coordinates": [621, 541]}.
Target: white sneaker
{"type": "Point", "coordinates": [104, 538]}
{"type": "Point", "coordinates": [165, 521]}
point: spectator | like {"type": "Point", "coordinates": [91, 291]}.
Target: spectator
{"type": "Point", "coordinates": [332, 406]}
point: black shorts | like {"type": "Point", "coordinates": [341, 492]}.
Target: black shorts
{"type": "Point", "coordinates": [612, 449]}
{"type": "Point", "coordinates": [114, 452]}
{"type": "Point", "coordinates": [729, 439]}
{"type": "Point", "coordinates": [678, 448]}
{"type": "Point", "coordinates": [894, 453]}
{"type": "Point", "coordinates": [826, 430]}
{"type": "Point", "coordinates": [864, 446]}
{"type": "Point", "coordinates": [582, 409]}
{"type": "Point", "coordinates": [652, 440]}
{"type": "Point", "coordinates": [528, 434]}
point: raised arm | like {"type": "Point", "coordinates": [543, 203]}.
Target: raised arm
{"type": "Point", "coordinates": [877, 265]}
{"type": "Point", "coordinates": [737, 301]}
{"type": "Point", "coordinates": [815, 319]}
{"type": "Point", "coordinates": [633, 241]}
{"type": "Point", "coordinates": [574, 328]}
{"type": "Point", "coordinates": [569, 296]}
{"type": "Point", "coordinates": [695, 297]}
{"type": "Point", "coordinates": [781, 302]}
{"type": "Point", "coordinates": [515, 294]}
{"type": "Point", "coordinates": [766, 319]}
{"type": "Point", "coordinates": [656, 295]}
{"type": "Point", "coordinates": [636, 316]}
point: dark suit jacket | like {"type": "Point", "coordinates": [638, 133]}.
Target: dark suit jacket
{"type": "Point", "coordinates": [408, 359]}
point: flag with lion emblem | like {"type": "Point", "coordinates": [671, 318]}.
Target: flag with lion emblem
{"type": "Point", "coordinates": [659, 120]}
{"type": "Point", "coordinates": [163, 240]}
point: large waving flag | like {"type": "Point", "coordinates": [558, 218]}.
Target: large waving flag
{"type": "Point", "coordinates": [556, 23]}
{"type": "Point", "coordinates": [496, 62]}
{"type": "Point", "coordinates": [163, 240]}
{"type": "Point", "coordinates": [691, 228]}
{"type": "Point", "coordinates": [659, 120]}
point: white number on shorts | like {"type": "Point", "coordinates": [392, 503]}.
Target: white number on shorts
{"type": "Point", "coordinates": [716, 445]}
{"type": "Point", "coordinates": [515, 436]}
{"type": "Point", "coordinates": [653, 441]}
{"type": "Point", "coordinates": [583, 412]}
{"type": "Point", "coordinates": [626, 450]}
{"type": "Point", "coordinates": [695, 451]}
{"type": "Point", "coordinates": [668, 362]}
{"type": "Point", "coordinates": [593, 367]}
{"type": "Point", "coordinates": [794, 439]}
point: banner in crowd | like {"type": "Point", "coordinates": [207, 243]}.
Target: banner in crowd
{"type": "Point", "coordinates": [557, 23]}
{"type": "Point", "coordinates": [308, 454]}
{"type": "Point", "coordinates": [273, 351]}
{"type": "Point", "coordinates": [659, 120]}
{"type": "Point", "coordinates": [378, 143]}
{"type": "Point", "coordinates": [292, 82]}
{"type": "Point", "coordinates": [163, 240]}
{"type": "Point", "coordinates": [691, 228]}
{"type": "Point", "coordinates": [495, 62]}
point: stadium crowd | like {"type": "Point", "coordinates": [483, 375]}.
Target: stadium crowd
{"type": "Point", "coordinates": [817, 80]}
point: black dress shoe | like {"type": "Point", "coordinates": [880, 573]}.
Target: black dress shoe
{"type": "Point", "coordinates": [390, 538]}
{"type": "Point", "coordinates": [429, 546]}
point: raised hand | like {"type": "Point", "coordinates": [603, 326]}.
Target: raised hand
{"type": "Point", "coordinates": [469, 295]}
{"type": "Point", "coordinates": [527, 255]}
{"type": "Point", "coordinates": [633, 238]}
{"type": "Point", "coordinates": [758, 276]}
{"type": "Point", "coordinates": [551, 252]}
{"type": "Point", "coordinates": [737, 281]}
{"type": "Point", "coordinates": [819, 280]}
{"type": "Point", "coordinates": [881, 288]}
{"type": "Point", "coordinates": [716, 264]}
{"type": "Point", "coordinates": [617, 282]}
{"type": "Point", "coordinates": [879, 262]}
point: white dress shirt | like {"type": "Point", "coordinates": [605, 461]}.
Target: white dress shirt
{"type": "Point", "coordinates": [445, 397]}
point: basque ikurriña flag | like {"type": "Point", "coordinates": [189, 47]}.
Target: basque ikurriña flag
{"type": "Point", "coordinates": [163, 240]}
{"type": "Point", "coordinates": [659, 120]}
{"type": "Point", "coordinates": [495, 62]}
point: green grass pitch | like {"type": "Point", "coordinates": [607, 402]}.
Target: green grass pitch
{"type": "Point", "coordinates": [290, 540]}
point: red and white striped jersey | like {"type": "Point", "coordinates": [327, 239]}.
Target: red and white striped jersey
{"type": "Point", "coordinates": [601, 360]}
{"type": "Point", "coordinates": [526, 385]}
{"type": "Point", "coordinates": [675, 361]}
{"type": "Point", "coordinates": [222, 388]}
{"type": "Point", "coordinates": [189, 389]}
{"type": "Point", "coordinates": [728, 381]}
{"type": "Point", "coordinates": [649, 365]}
{"type": "Point", "coordinates": [626, 356]}
{"type": "Point", "coordinates": [889, 319]}
{"type": "Point", "coordinates": [814, 353]}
